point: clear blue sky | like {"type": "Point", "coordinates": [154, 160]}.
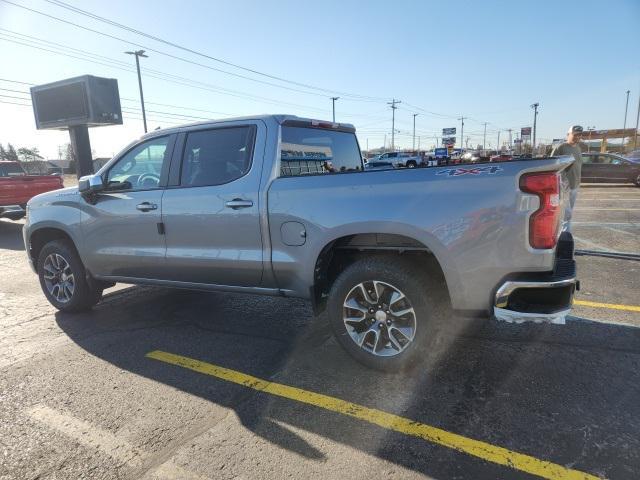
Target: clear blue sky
{"type": "Point", "coordinates": [485, 60]}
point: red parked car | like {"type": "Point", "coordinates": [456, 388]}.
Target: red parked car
{"type": "Point", "coordinates": [502, 157]}
{"type": "Point", "coordinates": [16, 188]}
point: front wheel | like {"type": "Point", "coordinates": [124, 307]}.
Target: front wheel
{"type": "Point", "coordinates": [381, 312]}
{"type": "Point", "coordinates": [63, 278]}
{"type": "Point", "coordinates": [637, 182]}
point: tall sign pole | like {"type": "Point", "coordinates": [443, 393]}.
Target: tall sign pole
{"type": "Point", "coordinates": [461, 132]}
{"type": "Point", "coordinates": [635, 139]}
{"type": "Point", "coordinates": [414, 130]}
{"type": "Point", "coordinates": [624, 125]}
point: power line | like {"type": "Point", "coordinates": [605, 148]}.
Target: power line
{"type": "Point", "coordinates": [120, 65]}
{"type": "Point", "coordinates": [180, 80]}
{"type": "Point", "coordinates": [176, 57]}
{"type": "Point", "coordinates": [201, 54]}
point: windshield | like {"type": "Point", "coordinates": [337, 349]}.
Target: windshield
{"type": "Point", "coordinates": [11, 169]}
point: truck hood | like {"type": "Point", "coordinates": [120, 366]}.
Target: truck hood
{"type": "Point", "coordinates": [52, 196]}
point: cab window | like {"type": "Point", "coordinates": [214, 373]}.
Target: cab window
{"type": "Point", "coordinates": [141, 167]}
{"type": "Point", "coordinates": [217, 156]}
{"type": "Point", "coordinates": [310, 151]}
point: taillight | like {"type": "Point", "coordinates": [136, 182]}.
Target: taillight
{"type": "Point", "coordinates": [544, 222]}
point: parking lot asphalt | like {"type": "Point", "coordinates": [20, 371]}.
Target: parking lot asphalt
{"type": "Point", "coordinates": [84, 396]}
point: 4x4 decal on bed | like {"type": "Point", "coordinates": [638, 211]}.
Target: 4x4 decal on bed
{"type": "Point", "coordinates": [456, 172]}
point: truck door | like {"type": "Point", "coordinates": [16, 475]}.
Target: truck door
{"type": "Point", "coordinates": [121, 236]}
{"type": "Point", "coordinates": [211, 215]}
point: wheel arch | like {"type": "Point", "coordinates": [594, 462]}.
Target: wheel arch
{"type": "Point", "coordinates": [39, 237]}
{"type": "Point", "coordinates": [339, 252]}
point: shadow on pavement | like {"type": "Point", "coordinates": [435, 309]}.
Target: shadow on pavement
{"type": "Point", "coordinates": [564, 394]}
{"type": "Point", "coordinates": [10, 235]}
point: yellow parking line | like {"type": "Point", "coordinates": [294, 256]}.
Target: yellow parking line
{"type": "Point", "coordinates": [613, 306]}
{"type": "Point", "coordinates": [584, 209]}
{"type": "Point", "coordinates": [485, 451]}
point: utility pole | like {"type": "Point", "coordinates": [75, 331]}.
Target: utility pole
{"type": "Point", "coordinates": [138, 54]}
{"type": "Point", "coordinates": [484, 138]}
{"type": "Point", "coordinates": [498, 144]}
{"type": "Point", "coordinates": [384, 145]}
{"type": "Point", "coordinates": [333, 101]}
{"type": "Point", "coordinates": [510, 140]}
{"type": "Point", "coordinates": [626, 106]}
{"type": "Point", "coordinates": [462, 132]}
{"type": "Point", "coordinates": [535, 117]}
{"type": "Point", "coordinates": [393, 121]}
{"type": "Point", "coordinates": [418, 142]}
{"type": "Point", "coordinates": [367, 146]}
{"type": "Point", "coordinates": [414, 130]}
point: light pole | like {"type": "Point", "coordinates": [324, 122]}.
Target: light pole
{"type": "Point", "coordinates": [498, 144]}
{"type": "Point", "coordinates": [535, 117]}
{"type": "Point", "coordinates": [393, 122]}
{"type": "Point", "coordinates": [333, 101]}
{"type": "Point", "coordinates": [414, 130]}
{"type": "Point", "coordinates": [138, 54]}
{"type": "Point", "coordinates": [590, 129]}
{"type": "Point", "coordinates": [484, 138]}
{"type": "Point", "coordinates": [624, 126]}
{"type": "Point", "coordinates": [461, 133]}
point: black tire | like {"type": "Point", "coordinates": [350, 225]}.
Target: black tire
{"type": "Point", "coordinates": [417, 288]}
{"type": "Point", "coordinates": [412, 164]}
{"type": "Point", "coordinates": [84, 296]}
{"type": "Point", "coordinates": [637, 182]}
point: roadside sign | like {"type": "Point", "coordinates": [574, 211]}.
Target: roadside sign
{"type": "Point", "coordinates": [525, 132]}
{"type": "Point", "coordinates": [448, 140]}
{"type": "Point", "coordinates": [448, 131]}
{"type": "Point", "coordinates": [441, 152]}
{"type": "Point", "coordinates": [517, 140]}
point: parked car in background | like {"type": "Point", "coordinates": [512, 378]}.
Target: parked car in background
{"type": "Point", "coordinates": [16, 188]}
{"type": "Point", "coordinates": [470, 157]}
{"type": "Point", "coordinates": [635, 155]}
{"type": "Point", "coordinates": [501, 157]}
{"type": "Point", "coordinates": [234, 206]}
{"type": "Point", "coordinates": [378, 165]}
{"type": "Point", "coordinates": [609, 168]}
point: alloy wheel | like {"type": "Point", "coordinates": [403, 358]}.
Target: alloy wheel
{"type": "Point", "coordinates": [58, 278]}
{"type": "Point", "coordinates": [379, 318]}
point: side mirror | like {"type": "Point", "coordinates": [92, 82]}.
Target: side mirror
{"type": "Point", "coordinates": [90, 184]}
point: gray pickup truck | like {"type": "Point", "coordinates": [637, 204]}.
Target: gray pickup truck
{"type": "Point", "coordinates": [281, 205]}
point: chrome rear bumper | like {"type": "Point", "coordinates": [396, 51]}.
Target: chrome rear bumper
{"type": "Point", "coordinates": [535, 301]}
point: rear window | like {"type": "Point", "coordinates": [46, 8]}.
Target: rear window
{"type": "Point", "coordinates": [11, 169]}
{"type": "Point", "coordinates": [311, 151]}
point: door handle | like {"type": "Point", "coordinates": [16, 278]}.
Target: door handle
{"type": "Point", "coordinates": [146, 206]}
{"type": "Point", "coordinates": [237, 203]}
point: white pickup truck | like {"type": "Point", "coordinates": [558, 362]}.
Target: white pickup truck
{"type": "Point", "coordinates": [399, 159]}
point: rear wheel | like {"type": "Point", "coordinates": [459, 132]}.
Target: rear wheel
{"type": "Point", "coordinates": [381, 312]}
{"type": "Point", "coordinates": [63, 278]}
{"type": "Point", "coordinates": [411, 164]}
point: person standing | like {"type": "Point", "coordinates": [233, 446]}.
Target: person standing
{"type": "Point", "coordinates": [571, 147]}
